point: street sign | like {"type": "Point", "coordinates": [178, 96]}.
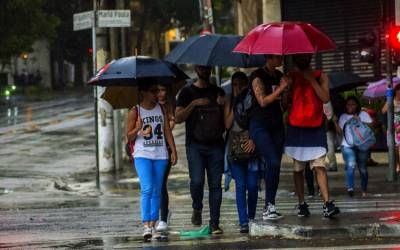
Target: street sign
{"type": "Point", "coordinates": [83, 20]}
{"type": "Point", "coordinates": [114, 18]}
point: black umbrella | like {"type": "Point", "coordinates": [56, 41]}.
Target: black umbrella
{"type": "Point", "coordinates": [128, 71]}
{"type": "Point", "coordinates": [120, 77]}
{"type": "Point", "coordinates": [213, 50]}
{"type": "Point", "coordinates": [342, 81]}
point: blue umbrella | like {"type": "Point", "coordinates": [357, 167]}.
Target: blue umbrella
{"type": "Point", "coordinates": [213, 50]}
{"type": "Point", "coordinates": [128, 71]}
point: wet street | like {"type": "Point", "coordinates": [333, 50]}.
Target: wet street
{"type": "Point", "coordinates": [48, 197]}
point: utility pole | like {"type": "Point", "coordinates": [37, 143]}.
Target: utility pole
{"type": "Point", "coordinates": [105, 111]}
{"type": "Point", "coordinates": [95, 94]}
{"type": "Point", "coordinates": [207, 16]}
{"type": "Point", "coordinates": [389, 98]}
{"type": "Point", "coordinates": [271, 10]}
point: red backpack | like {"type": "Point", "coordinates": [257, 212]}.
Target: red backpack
{"type": "Point", "coordinates": [307, 109]}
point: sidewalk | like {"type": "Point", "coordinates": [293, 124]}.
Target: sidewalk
{"type": "Point", "coordinates": [377, 215]}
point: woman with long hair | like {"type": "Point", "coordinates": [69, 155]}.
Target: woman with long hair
{"type": "Point", "coordinates": [244, 172]}
{"type": "Point", "coordinates": [169, 112]}
{"type": "Point", "coordinates": [352, 155]}
{"type": "Point", "coordinates": [148, 126]}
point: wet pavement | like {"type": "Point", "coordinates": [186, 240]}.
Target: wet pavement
{"type": "Point", "coordinates": [48, 197]}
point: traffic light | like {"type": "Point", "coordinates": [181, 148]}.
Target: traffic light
{"type": "Point", "coordinates": [90, 51]}
{"type": "Point", "coordinates": [369, 47]}
{"type": "Point", "coordinates": [394, 37]}
{"type": "Point", "coordinates": [394, 42]}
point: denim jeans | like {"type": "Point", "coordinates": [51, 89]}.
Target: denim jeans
{"type": "Point", "coordinates": [206, 158]}
{"type": "Point", "coordinates": [246, 181]}
{"type": "Point", "coordinates": [331, 140]}
{"type": "Point", "coordinates": [269, 143]}
{"type": "Point", "coordinates": [353, 157]}
{"type": "Point", "coordinates": [151, 174]}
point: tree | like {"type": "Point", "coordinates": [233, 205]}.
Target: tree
{"type": "Point", "coordinates": [68, 44]}
{"type": "Point", "coordinates": [155, 17]}
{"type": "Point", "coordinates": [22, 23]}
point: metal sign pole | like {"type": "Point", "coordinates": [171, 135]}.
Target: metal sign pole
{"type": "Point", "coordinates": [390, 118]}
{"type": "Point", "coordinates": [94, 53]}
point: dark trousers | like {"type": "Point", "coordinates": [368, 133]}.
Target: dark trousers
{"type": "Point", "coordinates": [201, 159]}
{"type": "Point", "coordinates": [269, 143]}
{"type": "Point", "coordinates": [164, 201]}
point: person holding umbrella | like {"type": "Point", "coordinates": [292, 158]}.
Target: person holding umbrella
{"type": "Point", "coordinates": [149, 128]}
{"type": "Point", "coordinates": [266, 126]}
{"type": "Point", "coordinates": [305, 142]}
{"type": "Point", "coordinates": [197, 106]}
{"type": "Point", "coordinates": [306, 133]}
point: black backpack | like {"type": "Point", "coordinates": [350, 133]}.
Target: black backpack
{"type": "Point", "coordinates": [207, 122]}
{"type": "Point", "coordinates": [242, 106]}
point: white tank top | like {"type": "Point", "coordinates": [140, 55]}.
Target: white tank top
{"type": "Point", "coordinates": [152, 147]}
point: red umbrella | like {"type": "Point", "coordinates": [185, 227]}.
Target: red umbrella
{"type": "Point", "coordinates": [285, 38]}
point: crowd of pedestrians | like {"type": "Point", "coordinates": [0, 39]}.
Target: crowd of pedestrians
{"type": "Point", "coordinates": [267, 114]}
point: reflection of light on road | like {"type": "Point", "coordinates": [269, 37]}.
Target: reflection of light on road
{"type": "Point", "coordinates": [12, 116]}
{"type": "Point", "coordinates": [28, 115]}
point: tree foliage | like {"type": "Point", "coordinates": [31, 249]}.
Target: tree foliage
{"type": "Point", "coordinates": [22, 23]}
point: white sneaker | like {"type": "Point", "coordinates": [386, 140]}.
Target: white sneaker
{"type": "Point", "coordinates": [270, 213]}
{"type": "Point", "coordinates": [162, 226]}
{"type": "Point", "coordinates": [155, 234]}
{"type": "Point", "coordinates": [147, 233]}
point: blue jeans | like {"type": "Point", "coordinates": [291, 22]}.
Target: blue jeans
{"type": "Point", "coordinates": [353, 157]}
{"type": "Point", "coordinates": [269, 143]}
{"type": "Point", "coordinates": [246, 181]}
{"type": "Point", "coordinates": [202, 158]}
{"type": "Point", "coordinates": [151, 174]}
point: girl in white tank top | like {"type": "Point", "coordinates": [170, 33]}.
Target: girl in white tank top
{"type": "Point", "coordinates": [152, 146]}
{"type": "Point", "coordinates": [149, 128]}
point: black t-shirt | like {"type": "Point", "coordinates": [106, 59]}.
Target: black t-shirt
{"type": "Point", "coordinates": [190, 93]}
{"type": "Point", "coordinates": [273, 111]}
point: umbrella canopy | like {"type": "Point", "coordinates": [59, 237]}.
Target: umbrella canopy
{"type": "Point", "coordinates": [125, 97]}
{"type": "Point", "coordinates": [212, 50]}
{"type": "Point", "coordinates": [128, 71]}
{"type": "Point", "coordinates": [376, 90]}
{"type": "Point", "coordinates": [285, 38]}
{"type": "Point", "coordinates": [342, 81]}
{"type": "Point", "coordinates": [121, 77]}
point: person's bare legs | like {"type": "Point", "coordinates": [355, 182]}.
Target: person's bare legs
{"type": "Point", "coordinates": [322, 179]}
{"type": "Point", "coordinates": [398, 159]}
{"type": "Point", "coordinates": [298, 177]}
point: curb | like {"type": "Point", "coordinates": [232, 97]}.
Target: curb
{"type": "Point", "coordinates": [290, 231]}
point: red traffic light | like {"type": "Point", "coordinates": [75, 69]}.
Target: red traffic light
{"type": "Point", "coordinates": [394, 37]}
{"type": "Point", "coordinates": [90, 51]}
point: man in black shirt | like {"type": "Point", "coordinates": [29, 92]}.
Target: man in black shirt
{"type": "Point", "coordinates": [198, 107]}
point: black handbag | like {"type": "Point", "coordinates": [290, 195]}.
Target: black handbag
{"type": "Point", "coordinates": [236, 142]}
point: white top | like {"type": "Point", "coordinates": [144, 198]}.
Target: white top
{"type": "Point", "coordinates": [364, 117]}
{"type": "Point", "coordinates": [152, 147]}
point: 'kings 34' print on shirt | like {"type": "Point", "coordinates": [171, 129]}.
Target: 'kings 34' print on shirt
{"type": "Point", "coordinates": [155, 138]}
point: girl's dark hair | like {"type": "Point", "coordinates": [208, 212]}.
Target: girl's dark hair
{"type": "Point", "coordinates": [240, 76]}
{"type": "Point", "coordinates": [355, 99]}
{"type": "Point", "coordinates": [146, 84]}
